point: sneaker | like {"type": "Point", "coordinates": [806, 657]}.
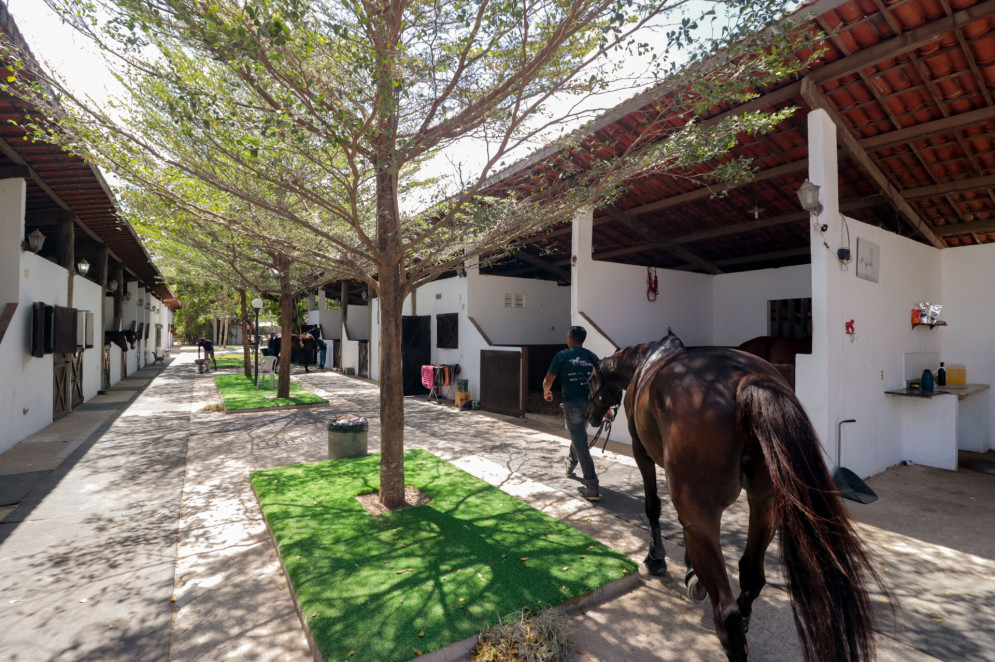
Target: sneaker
{"type": "Point", "coordinates": [569, 464]}
{"type": "Point", "coordinates": [590, 492]}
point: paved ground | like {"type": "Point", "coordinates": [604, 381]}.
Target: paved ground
{"type": "Point", "coordinates": [138, 538]}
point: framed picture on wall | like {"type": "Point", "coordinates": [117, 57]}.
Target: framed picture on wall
{"type": "Point", "coordinates": [868, 259]}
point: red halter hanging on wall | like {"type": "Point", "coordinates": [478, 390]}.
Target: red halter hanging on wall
{"type": "Point", "coordinates": [652, 286]}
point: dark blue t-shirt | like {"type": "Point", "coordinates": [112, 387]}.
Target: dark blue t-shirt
{"type": "Point", "coordinates": [207, 345]}
{"type": "Point", "coordinates": [573, 366]}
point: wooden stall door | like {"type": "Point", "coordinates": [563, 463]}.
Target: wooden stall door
{"type": "Point", "coordinates": [77, 380]}
{"type": "Point", "coordinates": [364, 358]}
{"type": "Point", "coordinates": [416, 351]}
{"type": "Point", "coordinates": [60, 385]}
{"type": "Point", "coordinates": [501, 382]}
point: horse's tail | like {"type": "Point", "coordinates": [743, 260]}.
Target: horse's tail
{"type": "Point", "coordinates": [825, 562]}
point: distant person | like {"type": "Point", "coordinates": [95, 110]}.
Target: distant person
{"type": "Point", "coordinates": [322, 351]}
{"type": "Point", "coordinates": [274, 345]}
{"type": "Point", "coordinates": [208, 348]}
{"type": "Point", "coordinates": [573, 366]}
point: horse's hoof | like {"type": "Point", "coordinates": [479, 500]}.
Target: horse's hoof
{"type": "Point", "coordinates": [746, 623]}
{"type": "Point", "coordinates": [656, 567]}
{"type": "Point", "coordinates": [696, 590]}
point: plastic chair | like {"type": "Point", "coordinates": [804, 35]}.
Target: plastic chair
{"type": "Point", "coordinates": [267, 366]}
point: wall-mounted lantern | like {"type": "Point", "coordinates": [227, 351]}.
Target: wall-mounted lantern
{"type": "Point", "coordinates": [112, 285]}
{"type": "Point", "coordinates": [34, 242]}
{"type": "Point", "coordinates": [808, 195]}
{"type": "Point", "coordinates": [82, 267]}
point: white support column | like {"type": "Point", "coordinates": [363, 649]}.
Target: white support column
{"type": "Point", "coordinates": [12, 196]}
{"type": "Point", "coordinates": [820, 378]}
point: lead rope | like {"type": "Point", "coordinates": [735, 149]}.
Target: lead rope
{"type": "Point", "coordinates": [606, 427]}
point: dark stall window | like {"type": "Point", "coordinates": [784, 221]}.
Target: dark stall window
{"type": "Point", "coordinates": [447, 331]}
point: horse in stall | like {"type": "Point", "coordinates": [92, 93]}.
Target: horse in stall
{"type": "Point", "coordinates": [306, 343]}
{"type": "Point", "coordinates": [117, 338]}
{"type": "Point", "coordinates": [719, 420]}
{"type": "Point", "coordinates": [132, 336]}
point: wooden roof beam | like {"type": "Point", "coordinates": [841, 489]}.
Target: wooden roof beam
{"type": "Point", "coordinates": [543, 265]}
{"type": "Point", "coordinates": [667, 246]}
{"type": "Point", "coordinates": [934, 128]}
{"type": "Point", "coordinates": [946, 188]}
{"type": "Point", "coordinates": [905, 42]}
{"type": "Point", "coordinates": [848, 141]}
{"type": "Point", "coordinates": [977, 227]}
{"type": "Point", "coordinates": [704, 192]}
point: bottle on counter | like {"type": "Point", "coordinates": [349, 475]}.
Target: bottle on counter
{"type": "Point", "coordinates": [927, 380]}
{"type": "Point", "coordinates": [941, 375]}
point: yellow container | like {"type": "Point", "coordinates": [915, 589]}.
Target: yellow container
{"type": "Point", "coordinates": [956, 374]}
{"type": "Point", "coordinates": [462, 397]}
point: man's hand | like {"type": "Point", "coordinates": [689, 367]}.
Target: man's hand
{"type": "Point", "coordinates": [548, 395]}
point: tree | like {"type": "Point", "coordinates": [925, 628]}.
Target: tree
{"type": "Point", "coordinates": [332, 117]}
{"type": "Point", "coordinates": [202, 241]}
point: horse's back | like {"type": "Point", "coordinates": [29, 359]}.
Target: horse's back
{"type": "Point", "coordinates": [689, 403]}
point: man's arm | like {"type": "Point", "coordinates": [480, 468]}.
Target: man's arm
{"type": "Point", "coordinates": [547, 384]}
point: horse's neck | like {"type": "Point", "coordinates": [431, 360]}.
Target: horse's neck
{"type": "Point", "coordinates": [625, 363]}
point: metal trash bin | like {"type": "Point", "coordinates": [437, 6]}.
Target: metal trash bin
{"type": "Point", "coordinates": [347, 436]}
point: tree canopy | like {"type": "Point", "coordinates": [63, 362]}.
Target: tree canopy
{"type": "Point", "coordinates": [359, 136]}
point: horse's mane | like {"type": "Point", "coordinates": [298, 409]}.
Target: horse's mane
{"type": "Point", "coordinates": [620, 367]}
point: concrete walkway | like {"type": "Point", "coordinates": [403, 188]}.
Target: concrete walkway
{"type": "Point", "coordinates": [140, 538]}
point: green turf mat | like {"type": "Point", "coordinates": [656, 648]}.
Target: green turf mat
{"type": "Point", "coordinates": [389, 587]}
{"type": "Point", "coordinates": [239, 392]}
{"type": "Point", "coordinates": [234, 361]}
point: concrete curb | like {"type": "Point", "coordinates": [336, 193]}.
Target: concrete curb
{"type": "Point", "coordinates": [257, 410]}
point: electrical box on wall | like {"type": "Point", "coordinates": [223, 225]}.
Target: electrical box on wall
{"type": "Point", "coordinates": [843, 254]}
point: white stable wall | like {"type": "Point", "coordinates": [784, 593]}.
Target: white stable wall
{"type": "Point", "coordinates": [873, 361]}
{"type": "Point", "coordinates": [739, 303]}
{"type": "Point", "coordinates": [543, 320]}
{"type": "Point", "coordinates": [87, 296]}
{"type": "Point", "coordinates": [614, 297]}
{"type": "Point", "coordinates": [968, 299]}
{"type": "Point", "coordinates": [26, 403]}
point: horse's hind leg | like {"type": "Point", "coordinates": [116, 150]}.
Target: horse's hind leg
{"type": "Point", "coordinates": [701, 532]}
{"type": "Point", "coordinates": [656, 560]}
{"type": "Point", "coordinates": [751, 565]}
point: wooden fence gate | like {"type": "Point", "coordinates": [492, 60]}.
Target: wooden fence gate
{"type": "Point", "coordinates": [501, 387]}
{"type": "Point", "coordinates": [364, 358]}
{"type": "Point", "coordinates": [76, 390]}
{"type": "Point", "coordinates": [60, 385]}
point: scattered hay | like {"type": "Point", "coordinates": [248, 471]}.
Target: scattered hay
{"type": "Point", "coordinates": [214, 406]}
{"type": "Point", "coordinates": [527, 637]}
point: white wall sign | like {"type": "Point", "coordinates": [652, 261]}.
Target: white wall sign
{"type": "Point", "coordinates": [868, 259]}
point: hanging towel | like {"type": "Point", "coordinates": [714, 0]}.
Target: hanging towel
{"type": "Point", "coordinates": [428, 376]}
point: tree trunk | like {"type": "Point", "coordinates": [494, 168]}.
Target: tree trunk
{"type": "Point", "coordinates": [246, 354]}
{"type": "Point", "coordinates": [391, 392]}
{"type": "Point", "coordinates": [286, 324]}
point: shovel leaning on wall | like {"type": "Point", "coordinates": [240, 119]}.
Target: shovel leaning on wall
{"type": "Point", "coordinates": [849, 484]}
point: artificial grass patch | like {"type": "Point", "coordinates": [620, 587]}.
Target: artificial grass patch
{"type": "Point", "coordinates": [239, 392]}
{"type": "Point", "coordinates": [232, 361]}
{"type": "Point", "coordinates": [390, 587]}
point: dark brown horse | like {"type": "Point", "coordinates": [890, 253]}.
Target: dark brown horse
{"type": "Point", "coordinates": [132, 336]}
{"type": "Point", "coordinates": [305, 343]}
{"type": "Point", "coordinates": [118, 338]}
{"type": "Point", "coordinates": [719, 420]}
{"type": "Point", "coordinates": [777, 350]}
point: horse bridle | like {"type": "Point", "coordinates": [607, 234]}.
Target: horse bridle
{"type": "Point", "coordinates": [606, 421]}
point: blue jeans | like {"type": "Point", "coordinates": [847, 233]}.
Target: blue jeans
{"type": "Point", "coordinates": [575, 414]}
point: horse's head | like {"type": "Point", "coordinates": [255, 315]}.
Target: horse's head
{"type": "Point", "coordinates": [605, 393]}
{"type": "Point", "coordinates": [117, 338]}
{"type": "Point", "coordinates": [131, 336]}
